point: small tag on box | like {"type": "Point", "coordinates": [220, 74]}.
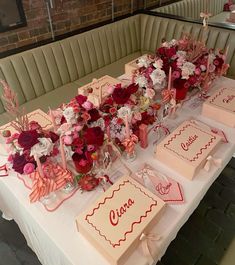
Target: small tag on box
{"type": "Point", "coordinates": [164, 187]}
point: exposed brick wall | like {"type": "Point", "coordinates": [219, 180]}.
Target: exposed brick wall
{"type": "Point", "coordinates": [67, 16]}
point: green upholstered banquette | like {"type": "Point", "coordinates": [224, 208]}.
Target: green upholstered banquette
{"type": "Point", "coordinates": [50, 74]}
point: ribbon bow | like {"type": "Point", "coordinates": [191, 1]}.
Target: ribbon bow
{"type": "Point", "coordinates": [146, 240]}
{"type": "Point", "coordinates": [205, 17]}
{"type": "Point", "coordinates": [212, 161]}
{"type": "Point", "coordinates": [130, 143]}
{"type": "Point", "coordinates": [41, 186]}
{"type": "Point", "coordinates": [167, 95]}
{"type": "Point", "coordinates": [4, 169]}
{"type": "Point", "coordinates": [103, 180]}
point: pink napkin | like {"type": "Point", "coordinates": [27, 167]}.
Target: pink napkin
{"type": "Point", "coordinates": [164, 187]}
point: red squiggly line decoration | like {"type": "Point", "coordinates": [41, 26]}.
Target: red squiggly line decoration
{"type": "Point", "coordinates": [201, 149]}
{"type": "Point", "coordinates": [218, 94]}
{"type": "Point", "coordinates": [132, 225]}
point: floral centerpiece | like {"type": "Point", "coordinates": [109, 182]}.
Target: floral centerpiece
{"type": "Point", "coordinates": [191, 64]}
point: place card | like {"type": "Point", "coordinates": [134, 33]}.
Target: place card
{"type": "Point", "coordinates": [188, 148]}
{"type": "Point", "coordinates": [97, 90]}
{"type": "Point", "coordinates": [221, 106]}
{"type": "Point", "coordinates": [37, 115]}
{"type": "Point", "coordinates": [115, 222]}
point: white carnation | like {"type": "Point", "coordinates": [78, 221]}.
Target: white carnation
{"type": "Point", "coordinates": [158, 76]}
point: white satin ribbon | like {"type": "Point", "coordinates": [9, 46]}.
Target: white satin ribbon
{"type": "Point", "coordinates": [212, 161]}
{"type": "Point", "coordinates": [145, 243]}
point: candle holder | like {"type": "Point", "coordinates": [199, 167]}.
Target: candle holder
{"type": "Point", "coordinates": [130, 157]}
{"type": "Point", "coordinates": [48, 199]}
{"type": "Point", "coordinates": [69, 187]}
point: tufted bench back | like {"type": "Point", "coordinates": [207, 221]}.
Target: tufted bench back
{"type": "Point", "coordinates": [41, 70]}
{"type": "Point", "coordinates": [193, 8]}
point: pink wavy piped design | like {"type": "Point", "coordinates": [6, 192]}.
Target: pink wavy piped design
{"type": "Point", "coordinates": [217, 95]}
{"type": "Point", "coordinates": [207, 145]}
{"type": "Point", "coordinates": [132, 225]}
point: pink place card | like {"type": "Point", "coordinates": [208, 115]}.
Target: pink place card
{"type": "Point", "coordinates": [98, 88]}
{"type": "Point", "coordinates": [166, 188]}
{"type": "Point", "coordinates": [187, 148]}
{"type": "Point", "coordinates": [221, 106]}
{"type": "Point", "coordinates": [115, 222]}
{"type": "Point", "coordinates": [37, 115]}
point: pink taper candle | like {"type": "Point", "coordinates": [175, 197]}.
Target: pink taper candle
{"type": "Point", "coordinates": [208, 64]}
{"type": "Point", "coordinates": [127, 127]}
{"type": "Point", "coordinates": [169, 79]}
{"type": "Point", "coordinates": [108, 132]}
{"type": "Point", "coordinates": [100, 95]}
{"type": "Point", "coordinates": [143, 135]}
{"type": "Point", "coordinates": [62, 153]}
{"type": "Point", "coordinates": [39, 165]}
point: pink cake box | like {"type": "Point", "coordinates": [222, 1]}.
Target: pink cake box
{"type": "Point", "coordinates": [116, 221]}
{"type": "Point", "coordinates": [132, 65]}
{"type": "Point", "coordinates": [187, 148]}
{"type": "Point", "coordinates": [221, 106]}
{"type": "Point", "coordinates": [37, 115]}
{"type": "Point", "coordinates": [92, 89]}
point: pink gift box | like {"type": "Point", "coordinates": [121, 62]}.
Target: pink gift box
{"type": "Point", "coordinates": [37, 115]}
{"type": "Point", "coordinates": [115, 222]}
{"type": "Point", "coordinates": [187, 148]}
{"type": "Point", "coordinates": [92, 89]}
{"type": "Point", "coordinates": [221, 106]}
{"type": "Point", "coordinates": [132, 66]}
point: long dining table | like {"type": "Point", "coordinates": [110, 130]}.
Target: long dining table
{"type": "Point", "coordinates": [54, 237]}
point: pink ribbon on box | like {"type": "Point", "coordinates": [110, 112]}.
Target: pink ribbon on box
{"type": "Point", "coordinates": [145, 243]}
{"type": "Point", "coordinates": [4, 168]}
{"type": "Point", "coordinates": [130, 143]}
{"type": "Point", "coordinates": [167, 95]}
{"type": "Point", "coordinates": [212, 161]}
{"type": "Point", "coordinates": [205, 17]}
{"type": "Point", "coordinates": [104, 180]}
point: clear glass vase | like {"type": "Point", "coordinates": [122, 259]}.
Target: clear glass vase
{"type": "Point", "coordinates": [48, 199]}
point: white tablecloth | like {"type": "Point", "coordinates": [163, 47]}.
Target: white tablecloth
{"type": "Point", "coordinates": [53, 235]}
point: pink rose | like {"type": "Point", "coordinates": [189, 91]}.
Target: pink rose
{"type": "Point", "coordinates": [29, 168]}
{"type": "Point", "coordinates": [176, 74]}
{"type": "Point", "coordinates": [110, 89]}
{"type": "Point", "coordinates": [198, 71]}
{"type": "Point", "coordinates": [87, 105]}
{"type": "Point", "coordinates": [68, 140]}
{"type": "Point", "coordinates": [150, 93]}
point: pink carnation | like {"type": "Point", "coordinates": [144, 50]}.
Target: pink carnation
{"type": "Point", "coordinates": [29, 168]}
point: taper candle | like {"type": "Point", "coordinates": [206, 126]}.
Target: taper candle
{"type": "Point", "coordinates": [143, 135]}
{"type": "Point", "coordinates": [127, 127]}
{"type": "Point", "coordinates": [62, 153]}
{"type": "Point", "coordinates": [100, 95]}
{"type": "Point", "coordinates": [39, 165]}
{"type": "Point", "coordinates": [169, 79]}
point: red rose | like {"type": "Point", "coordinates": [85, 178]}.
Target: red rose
{"type": "Point", "coordinates": [54, 137]}
{"type": "Point", "coordinates": [161, 51]}
{"type": "Point", "coordinates": [19, 162]}
{"type": "Point", "coordinates": [94, 136]}
{"type": "Point", "coordinates": [81, 99]}
{"type": "Point", "coordinates": [218, 62]}
{"type": "Point", "coordinates": [94, 113]}
{"type": "Point", "coordinates": [88, 182]}
{"type": "Point", "coordinates": [121, 95]}
{"type": "Point", "coordinates": [170, 52]}
{"type": "Point", "coordinates": [27, 139]}
{"type": "Point", "coordinates": [133, 88]}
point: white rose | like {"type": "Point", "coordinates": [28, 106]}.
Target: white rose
{"type": "Point", "coordinates": [158, 76]}
{"type": "Point", "coordinates": [158, 64]}
{"type": "Point", "coordinates": [143, 62]}
{"type": "Point", "coordinates": [43, 148]}
{"type": "Point", "coordinates": [123, 112]}
{"type": "Point", "coordinates": [141, 81]}
{"type": "Point", "coordinates": [69, 115]}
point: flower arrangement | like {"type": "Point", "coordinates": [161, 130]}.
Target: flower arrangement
{"type": "Point", "coordinates": [192, 65]}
